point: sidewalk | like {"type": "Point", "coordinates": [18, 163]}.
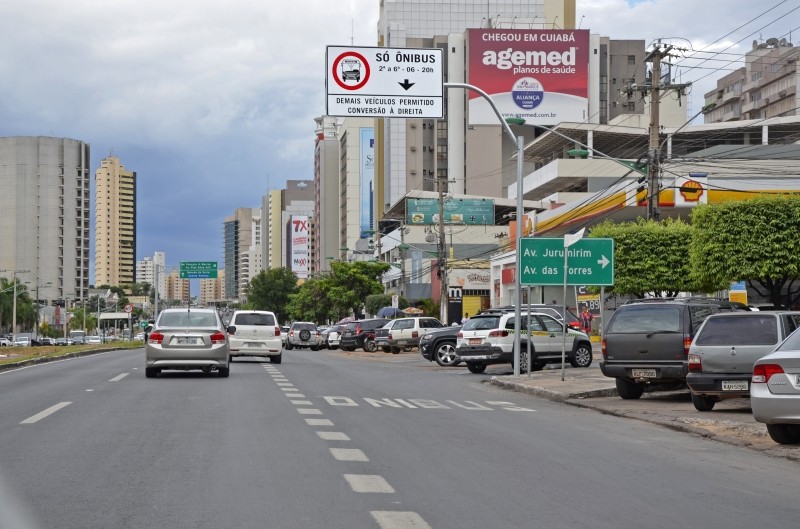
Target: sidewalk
{"type": "Point", "coordinates": [731, 421]}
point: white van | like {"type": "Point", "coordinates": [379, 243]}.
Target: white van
{"type": "Point", "coordinates": [255, 333]}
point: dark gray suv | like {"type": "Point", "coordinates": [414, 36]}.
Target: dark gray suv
{"type": "Point", "coordinates": [647, 342]}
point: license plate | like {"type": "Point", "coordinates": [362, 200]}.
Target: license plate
{"type": "Point", "coordinates": [475, 341]}
{"type": "Point", "coordinates": [643, 373]}
{"type": "Point", "coordinates": [735, 385]}
{"type": "Point", "coordinates": [401, 342]}
{"type": "Point", "coordinates": [253, 344]}
{"type": "Point", "coordinates": [186, 340]}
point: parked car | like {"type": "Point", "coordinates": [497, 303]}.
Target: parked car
{"type": "Point", "coordinates": [187, 339]}
{"type": "Point", "coordinates": [647, 342]}
{"type": "Point", "coordinates": [255, 333]}
{"type": "Point", "coordinates": [92, 340]}
{"type": "Point", "coordinates": [404, 332]}
{"type": "Point", "coordinates": [361, 334]}
{"type": "Point", "coordinates": [23, 341]}
{"type": "Point", "coordinates": [559, 312]}
{"type": "Point", "coordinates": [4, 342]}
{"type": "Point", "coordinates": [487, 339]}
{"type": "Point", "coordinates": [303, 334]}
{"type": "Point", "coordinates": [333, 336]}
{"type": "Point", "coordinates": [775, 391]}
{"type": "Point", "coordinates": [47, 341]}
{"type": "Point", "coordinates": [440, 345]}
{"type": "Point", "coordinates": [725, 348]}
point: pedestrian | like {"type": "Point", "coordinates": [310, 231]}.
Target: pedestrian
{"type": "Point", "coordinates": [586, 320]}
{"type": "Point", "coordinates": [465, 318]}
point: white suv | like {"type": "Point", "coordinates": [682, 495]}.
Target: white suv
{"type": "Point", "coordinates": [489, 339]}
{"type": "Point", "coordinates": [255, 333]}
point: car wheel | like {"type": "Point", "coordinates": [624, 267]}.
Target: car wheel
{"type": "Point", "coordinates": [629, 390]}
{"type": "Point", "coordinates": [224, 372]}
{"type": "Point", "coordinates": [703, 403]}
{"type": "Point", "coordinates": [276, 359]}
{"type": "Point", "coordinates": [369, 346]}
{"type": "Point", "coordinates": [395, 350]}
{"type": "Point", "coordinates": [150, 372]}
{"type": "Point", "coordinates": [445, 354]}
{"type": "Point", "coordinates": [582, 356]}
{"type": "Point", "coordinates": [314, 348]}
{"type": "Point", "coordinates": [386, 349]}
{"type": "Point", "coordinates": [785, 434]}
{"type": "Point", "coordinates": [305, 335]}
{"type": "Point", "coordinates": [288, 346]}
{"type": "Point", "coordinates": [476, 368]}
{"type": "Point", "coordinates": [407, 348]}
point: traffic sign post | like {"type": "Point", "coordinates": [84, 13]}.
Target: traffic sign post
{"type": "Point", "coordinates": [591, 262]}
{"type": "Point", "coordinates": [198, 270]}
{"type": "Point", "coordinates": [384, 82]}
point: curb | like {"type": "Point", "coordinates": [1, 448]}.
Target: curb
{"type": "Point", "coordinates": [550, 394]}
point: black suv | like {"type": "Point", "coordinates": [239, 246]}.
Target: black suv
{"type": "Point", "coordinates": [358, 332]}
{"type": "Point", "coordinates": [646, 342]}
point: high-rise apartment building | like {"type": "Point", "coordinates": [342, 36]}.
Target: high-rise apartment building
{"type": "Point", "coordinates": [212, 290]}
{"type": "Point", "coordinates": [45, 189]}
{"type": "Point", "coordinates": [146, 272]}
{"type": "Point", "coordinates": [177, 288]}
{"type": "Point", "coordinates": [115, 224]}
{"type": "Point", "coordinates": [237, 239]}
{"type": "Point", "coordinates": [765, 87]}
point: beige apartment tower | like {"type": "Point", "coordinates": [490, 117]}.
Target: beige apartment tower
{"type": "Point", "coordinates": [115, 224]}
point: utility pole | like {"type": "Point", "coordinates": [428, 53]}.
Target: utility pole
{"type": "Point", "coordinates": [444, 293]}
{"type": "Point", "coordinates": [659, 52]}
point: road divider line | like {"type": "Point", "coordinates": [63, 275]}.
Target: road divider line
{"type": "Point", "coordinates": [319, 422]}
{"type": "Point", "coordinates": [118, 377]}
{"type": "Point", "coordinates": [333, 436]}
{"type": "Point", "coordinates": [348, 454]}
{"type": "Point", "coordinates": [368, 483]}
{"type": "Point", "coordinates": [301, 402]}
{"type": "Point", "coordinates": [295, 395]}
{"type": "Point", "coordinates": [399, 520]}
{"type": "Point", "coordinates": [309, 411]}
{"type": "Point", "coordinates": [42, 414]}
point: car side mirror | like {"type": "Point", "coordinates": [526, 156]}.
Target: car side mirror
{"type": "Point", "coordinates": [231, 329]}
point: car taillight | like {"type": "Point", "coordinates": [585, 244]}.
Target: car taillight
{"type": "Point", "coordinates": [390, 336]}
{"type": "Point", "coordinates": [762, 373]}
{"type": "Point", "coordinates": [695, 364]}
{"type": "Point", "coordinates": [277, 331]}
{"type": "Point", "coordinates": [501, 333]}
{"type": "Point", "coordinates": [603, 347]}
{"type": "Point", "coordinates": [414, 334]}
{"type": "Point", "coordinates": [460, 335]}
{"type": "Point", "coordinates": [358, 330]}
{"type": "Point", "coordinates": [687, 342]}
{"type": "Point", "coordinates": [218, 337]}
{"type": "Point", "coordinates": [155, 337]}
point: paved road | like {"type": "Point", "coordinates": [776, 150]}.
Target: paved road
{"type": "Point", "coordinates": [328, 440]}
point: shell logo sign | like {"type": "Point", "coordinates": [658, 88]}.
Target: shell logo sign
{"type": "Point", "coordinates": [691, 191]}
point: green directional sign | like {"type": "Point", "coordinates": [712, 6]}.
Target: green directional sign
{"type": "Point", "coordinates": [589, 262]}
{"type": "Point", "coordinates": [198, 270]}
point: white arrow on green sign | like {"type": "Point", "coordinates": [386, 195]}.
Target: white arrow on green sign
{"type": "Point", "coordinates": [589, 262]}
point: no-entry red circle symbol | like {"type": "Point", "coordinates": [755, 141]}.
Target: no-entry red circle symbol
{"type": "Point", "coordinates": [340, 76]}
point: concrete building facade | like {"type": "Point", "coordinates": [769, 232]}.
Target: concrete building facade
{"type": "Point", "coordinates": [45, 213]}
{"type": "Point", "coordinates": [115, 224]}
{"type": "Point", "coordinates": [146, 268]}
{"type": "Point", "coordinates": [238, 239]}
{"type": "Point", "coordinates": [212, 290]}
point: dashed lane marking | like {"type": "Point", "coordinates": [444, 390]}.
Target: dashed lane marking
{"type": "Point", "coordinates": [118, 377]}
{"type": "Point", "coordinates": [301, 402]}
{"type": "Point", "coordinates": [399, 520]}
{"type": "Point", "coordinates": [333, 436]}
{"type": "Point", "coordinates": [42, 414]}
{"type": "Point", "coordinates": [368, 483]}
{"type": "Point", "coordinates": [348, 454]}
{"type": "Point", "coordinates": [319, 422]}
{"type": "Point", "coordinates": [309, 411]}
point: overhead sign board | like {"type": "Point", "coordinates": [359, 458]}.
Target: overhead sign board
{"type": "Point", "coordinates": [198, 270]}
{"type": "Point", "coordinates": [589, 262]}
{"type": "Point", "coordinates": [456, 211]}
{"type": "Point", "coordinates": [384, 82]}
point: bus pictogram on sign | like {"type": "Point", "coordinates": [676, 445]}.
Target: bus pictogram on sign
{"type": "Point", "coordinates": [350, 70]}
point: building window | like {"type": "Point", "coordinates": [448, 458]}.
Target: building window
{"type": "Point", "coordinates": [631, 59]}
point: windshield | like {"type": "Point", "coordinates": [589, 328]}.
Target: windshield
{"type": "Point", "coordinates": [646, 318]}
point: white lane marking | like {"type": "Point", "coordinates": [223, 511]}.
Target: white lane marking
{"type": "Point", "coordinates": [399, 520]}
{"type": "Point", "coordinates": [348, 454]}
{"type": "Point", "coordinates": [289, 389]}
{"type": "Point", "coordinates": [284, 384]}
{"type": "Point", "coordinates": [118, 377]}
{"type": "Point", "coordinates": [309, 411]}
{"type": "Point", "coordinates": [319, 422]}
{"type": "Point", "coordinates": [89, 390]}
{"type": "Point", "coordinates": [302, 402]}
{"type": "Point", "coordinates": [42, 414]}
{"type": "Point", "coordinates": [295, 395]}
{"type": "Point", "coordinates": [368, 483]}
{"type": "Point", "coordinates": [333, 436]}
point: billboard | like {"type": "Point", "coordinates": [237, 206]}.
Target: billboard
{"type": "Point", "coordinates": [299, 245]}
{"type": "Point", "coordinates": [540, 75]}
{"type": "Point", "coordinates": [456, 211]}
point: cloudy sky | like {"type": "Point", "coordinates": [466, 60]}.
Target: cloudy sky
{"type": "Point", "coordinates": [213, 103]}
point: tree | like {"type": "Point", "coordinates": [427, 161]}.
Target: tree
{"type": "Point", "coordinates": [752, 240]}
{"type": "Point", "coordinates": [311, 302]}
{"type": "Point", "coordinates": [353, 282]}
{"type": "Point", "coordinates": [270, 290]}
{"type": "Point", "coordinates": [652, 257]}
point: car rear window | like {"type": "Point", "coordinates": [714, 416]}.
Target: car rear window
{"type": "Point", "coordinates": [187, 319]}
{"type": "Point", "coordinates": [301, 326]}
{"type": "Point", "coordinates": [255, 319]}
{"type": "Point", "coordinates": [481, 323]}
{"type": "Point", "coordinates": [752, 330]}
{"type": "Point", "coordinates": [645, 319]}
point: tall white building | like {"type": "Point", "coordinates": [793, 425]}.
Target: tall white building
{"type": "Point", "coordinates": [44, 215]}
{"type": "Point", "coordinates": [145, 271]}
{"type": "Point", "coordinates": [114, 224]}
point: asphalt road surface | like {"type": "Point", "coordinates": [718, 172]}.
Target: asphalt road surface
{"type": "Point", "coordinates": [327, 440]}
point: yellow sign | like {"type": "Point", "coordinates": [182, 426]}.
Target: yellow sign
{"type": "Point", "coordinates": [739, 296]}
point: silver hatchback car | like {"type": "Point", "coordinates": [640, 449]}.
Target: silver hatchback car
{"type": "Point", "coordinates": [187, 339]}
